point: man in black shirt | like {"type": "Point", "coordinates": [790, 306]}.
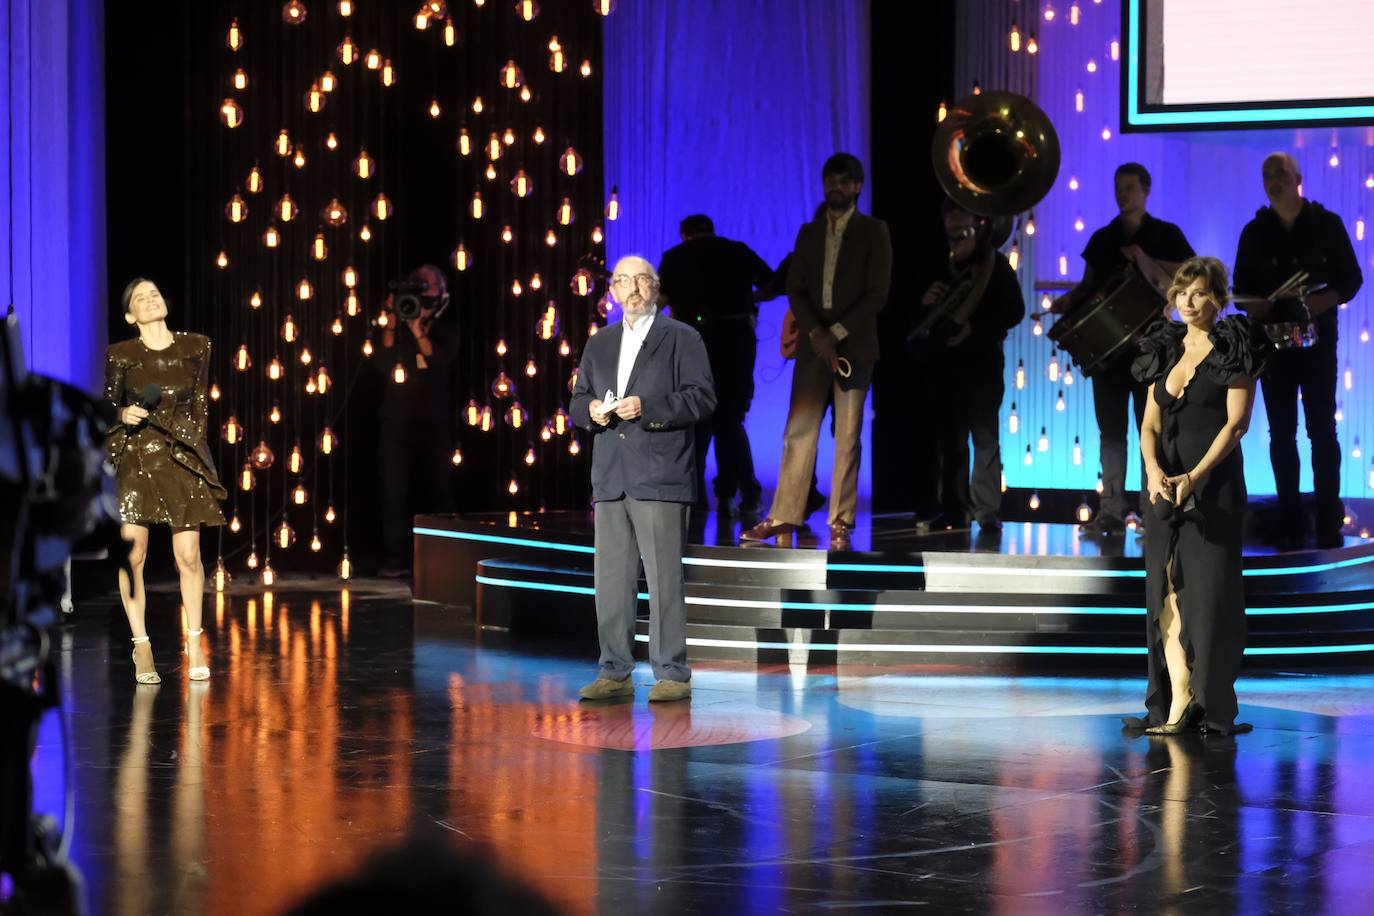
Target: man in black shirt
{"type": "Point", "coordinates": [963, 354]}
{"type": "Point", "coordinates": [1291, 235]}
{"type": "Point", "coordinates": [1156, 248]}
{"type": "Point", "coordinates": [416, 435]}
{"type": "Point", "coordinates": [710, 283]}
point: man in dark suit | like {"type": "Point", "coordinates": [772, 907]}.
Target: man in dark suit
{"type": "Point", "coordinates": [643, 384]}
{"type": "Point", "coordinates": [838, 280]}
{"type": "Point", "coordinates": [710, 283]}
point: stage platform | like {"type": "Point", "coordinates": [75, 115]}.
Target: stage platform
{"type": "Point", "coordinates": [1033, 595]}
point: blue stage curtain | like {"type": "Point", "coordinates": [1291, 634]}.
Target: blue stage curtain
{"type": "Point", "coordinates": [729, 108]}
{"type": "Point", "coordinates": [52, 182]}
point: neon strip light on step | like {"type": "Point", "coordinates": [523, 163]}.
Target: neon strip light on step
{"type": "Point", "coordinates": [1006, 650]}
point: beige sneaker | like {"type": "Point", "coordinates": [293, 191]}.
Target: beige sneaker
{"type": "Point", "coordinates": [665, 691]}
{"type": "Point", "coordinates": [603, 688]}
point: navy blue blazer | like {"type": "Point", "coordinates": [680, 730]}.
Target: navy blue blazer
{"type": "Point", "coordinates": [654, 455]}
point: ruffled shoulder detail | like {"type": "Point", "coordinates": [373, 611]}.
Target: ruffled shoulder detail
{"type": "Point", "coordinates": [1238, 350]}
{"type": "Point", "coordinates": [1157, 350]}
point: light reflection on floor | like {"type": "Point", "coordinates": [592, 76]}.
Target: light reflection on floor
{"type": "Point", "coordinates": [332, 721]}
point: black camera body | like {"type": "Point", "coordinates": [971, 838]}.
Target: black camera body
{"type": "Point", "coordinates": [409, 299]}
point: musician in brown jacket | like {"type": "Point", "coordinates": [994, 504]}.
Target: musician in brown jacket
{"type": "Point", "coordinates": [838, 280]}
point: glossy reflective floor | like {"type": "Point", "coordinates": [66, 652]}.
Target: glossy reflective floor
{"type": "Point", "coordinates": [334, 720]}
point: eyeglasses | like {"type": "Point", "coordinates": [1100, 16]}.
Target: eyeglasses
{"type": "Point", "coordinates": [645, 281]}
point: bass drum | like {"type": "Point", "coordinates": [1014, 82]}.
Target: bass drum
{"type": "Point", "coordinates": [1104, 326]}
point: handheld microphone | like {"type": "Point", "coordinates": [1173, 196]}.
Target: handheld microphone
{"type": "Point", "coordinates": [151, 397]}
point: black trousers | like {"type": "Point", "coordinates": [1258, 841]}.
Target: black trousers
{"type": "Point", "coordinates": [967, 404]}
{"type": "Point", "coordinates": [1116, 394]}
{"type": "Point", "coordinates": [416, 469]}
{"type": "Point", "coordinates": [732, 349]}
{"type": "Point", "coordinates": [1313, 373]}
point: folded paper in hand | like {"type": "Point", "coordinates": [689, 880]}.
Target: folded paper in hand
{"type": "Point", "coordinates": [608, 403]}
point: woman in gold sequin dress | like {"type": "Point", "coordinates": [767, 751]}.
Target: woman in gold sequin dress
{"type": "Point", "coordinates": [162, 461]}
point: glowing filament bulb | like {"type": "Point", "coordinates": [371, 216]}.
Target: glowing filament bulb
{"type": "Point", "coordinates": [296, 461]}
{"type": "Point", "coordinates": [501, 347]}
{"type": "Point", "coordinates": [520, 184]}
{"type": "Point", "coordinates": [373, 61]}
{"type": "Point", "coordinates": [1078, 101]}
{"type": "Point", "coordinates": [550, 239]}
{"type": "Point", "coordinates": [350, 277]}
{"type": "Point", "coordinates": [1098, 486]}
{"type": "Point", "coordinates": [246, 477]}
{"type": "Point", "coordinates": [233, 432]}
{"type": "Point", "coordinates": [345, 567]}
{"type": "Point", "coordinates": [282, 146]}
{"type": "Point", "coordinates": [1085, 512]}
{"type": "Point", "coordinates": [1063, 265]}
{"type": "Point", "coordinates": [327, 441]}
{"type": "Point", "coordinates": [222, 260]}
{"type": "Point", "coordinates": [235, 525]}
{"type": "Point", "coordinates": [1014, 39]}
{"type": "Point", "coordinates": [464, 142]}
{"type": "Point", "coordinates": [388, 74]}
{"type": "Point", "coordinates": [1043, 444]}
{"type": "Point", "coordinates": [490, 172]}
{"type": "Point", "coordinates": [363, 165]}
{"type": "Point", "coordinates": [285, 536]}
{"type": "Point", "coordinates": [1020, 374]}
{"type": "Point", "coordinates": [1334, 160]}
{"type": "Point", "coordinates": [1068, 376]}
{"type": "Point", "coordinates": [275, 415]}
{"type": "Point", "coordinates": [515, 288]}
{"type": "Point", "coordinates": [304, 290]}
{"type": "Point", "coordinates": [252, 562]}
{"type": "Point", "coordinates": [494, 147]}
{"type": "Point", "coordinates": [512, 488]}
{"type": "Point", "coordinates": [434, 109]}
{"type": "Point", "coordinates": [536, 282]}
{"type": "Point", "coordinates": [511, 77]}
{"type": "Point", "coordinates": [1014, 256]}
{"type": "Point", "coordinates": [1073, 183]}
{"type": "Point", "coordinates": [1115, 49]}
{"type": "Point", "coordinates": [1053, 370]}
{"type": "Point", "coordinates": [1364, 334]}
{"type": "Point", "coordinates": [351, 306]}
{"type": "Point", "coordinates": [1078, 224]}
{"type": "Point", "coordinates": [1032, 46]}
{"type": "Point", "coordinates": [450, 33]}
{"type": "Point", "coordinates": [368, 348]}
{"type": "Point", "coordinates": [318, 249]}
{"type": "Point", "coordinates": [1349, 378]}
{"type": "Point", "coordinates": [315, 544]}
{"type": "Point", "coordinates": [288, 329]}
{"type": "Point", "coordinates": [565, 212]}
{"type": "Point", "coordinates": [531, 370]}
{"type": "Point", "coordinates": [299, 496]}
{"type": "Point", "coordinates": [421, 20]}
{"type": "Point", "coordinates": [1029, 458]}
{"type": "Point", "coordinates": [241, 360]}
{"type": "Point", "coordinates": [613, 205]}
{"type": "Point", "coordinates": [1359, 229]}
{"type": "Point", "coordinates": [329, 514]}
{"type": "Point", "coordinates": [271, 238]}
{"type": "Point", "coordinates": [564, 348]}
{"type": "Point", "coordinates": [347, 51]}
{"type": "Point", "coordinates": [235, 39]}
{"type": "Point", "coordinates": [327, 84]}
{"type": "Point", "coordinates": [570, 162]}
{"type": "Point", "coordinates": [305, 356]}
{"type": "Point", "coordinates": [477, 105]}
{"type": "Point", "coordinates": [475, 208]}
{"type": "Point", "coordinates": [1106, 133]}
{"type": "Point", "coordinates": [1059, 403]}
{"type": "Point", "coordinates": [286, 208]}
{"type": "Point", "coordinates": [365, 233]}
{"type": "Point", "coordinates": [586, 68]}
{"type": "Point", "coordinates": [1092, 65]}
{"type": "Point", "coordinates": [398, 374]}
{"type": "Point", "coordinates": [315, 98]}
{"type": "Point", "coordinates": [1034, 501]}
{"type": "Point", "coordinates": [485, 421]}
{"type": "Point", "coordinates": [941, 112]}
{"type": "Point", "coordinates": [214, 392]}
{"type": "Point", "coordinates": [254, 181]}
{"type": "Point", "coordinates": [237, 211]}
{"type": "Point", "coordinates": [274, 369]}
{"type": "Point", "coordinates": [506, 235]}
{"type": "Point", "coordinates": [1013, 421]}
{"type": "Point", "coordinates": [381, 207]}
{"type": "Point", "coordinates": [460, 257]}
{"type": "Point", "coordinates": [322, 380]}
{"type": "Point", "coordinates": [596, 235]}
{"type": "Point", "coordinates": [1077, 452]}
{"type": "Point", "coordinates": [539, 135]}
{"type": "Point", "coordinates": [1030, 224]}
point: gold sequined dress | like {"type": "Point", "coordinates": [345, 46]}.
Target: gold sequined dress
{"type": "Point", "coordinates": [163, 467]}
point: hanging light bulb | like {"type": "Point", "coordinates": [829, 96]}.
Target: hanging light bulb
{"type": "Point", "coordinates": [286, 208]}
{"type": "Point", "coordinates": [561, 422]}
{"type": "Point", "coordinates": [507, 235]}
{"type": "Point", "coordinates": [222, 260]}
{"type": "Point", "coordinates": [485, 422]}
{"type": "Point", "coordinates": [282, 145]}
{"type": "Point", "coordinates": [315, 98]}
{"type": "Point", "coordinates": [1028, 459]}
{"type": "Point", "coordinates": [296, 460]}
{"type": "Point", "coordinates": [315, 544]}
{"type": "Point", "coordinates": [363, 165]}
{"type": "Point", "coordinates": [529, 457]}
{"type": "Point", "coordinates": [1032, 46]}
{"type": "Point", "coordinates": [1034, 501]}
{"type": "Point", "coordinates": [271, 238]}
{"type": "Point", "coordinates": [1014, 256]}
{"type": "Point", "coordinates": [1043, 444]}
{"type": "Point", "coordinates": [398, 374]}
{"type": "Point", "coordinates": [550, 238]}
{"type": "Point", "coordinates": [517, 416]}
{"type": "Point", "coordinates": [1077, 452]}
{"type": "Point", "coordinates": [450, 33]}
{"type": "Point", "coordinates": [254, 180]}
{"type": "Point", "coordinates": [512, 488]}
{"type": "Point", "coordinates": [516, 288]}
{"type": "Point", "coordinates": [565, 214]}
{"type": "Point", "coordinates": [536, 282]}
{"type": "Point", "coordinates": [388, 73]}
{"type": "Point", "coordinates": [582, 282]}
{"type": "Point", "coordinates": [252, 562]}
{"type": "Point", "coordinates": [464, 142]}
{"type": "Point", "coordinates": [574, 447]}
{"type": "Point", "coordinates": [547, 326]}
{"type": "Point", "coordinates": [512, 77]}
{"type": "Point", "coordinates": [476, 208]}
{"type": "Point", "coordinates": [570, 163]}
{"type": "Point", "coordinates": [558, 61]}
{"type": "Point", "coordinates": [347, 51]}
{"type": "Point", "coordinates": [275, 369]}
{"type": "Point", "coordinates": [214, 391]}
{"type": "Point", "coordinates": [526, 9]}
{"type": "Point", "coordinates": [472, 413]}
{"type": "Point", "coordinates": [422, 20]}
{"type": "Point", "coordinates": [232, 430]}
{"type": "Point", "coordinates": [328, 441]}
{"type": "Point", "coordinates": [246, 477]}
{"type": "Point", "coordinates": [241, 360]}
{"type": "Point", "coordinates": [289, 329]}
{"type": "Point", "coordinates": [235, 36]}
{"type": "Point", "coordinates": [261, 456]}
{"type": "Point", "coordinates": [586, 68]}
{"type": "Point", "coordinates": [373, 60]}
{"type": "Point", "coordinates": [1053, 369]}
{"type": "Point", "coordinates": [236, 210]}
{"type": "Point", "coordinates": [502, 387]}
{"type": "Point", "coordinates": [367, 347]}
{"type": "Point", "coordinates": [597, 237]}
{"type": "Point", "coordinates": [434, 109]}
{"type": "Point", "coordinates": [501, 347]}
{"type": "Point", "coordinates": [349, 277]}
{"type": "Point", "coordinates": [318, 249]}
{"type": "Point", "coordinates": [520, 185]}
{"type": "Point", "coordinates": [322, 379]}
{"type": "Point", "coordinates": [490, 172]}
{"type": "Point", "coordinates": [381, 207]}
{"type": "Point", "coordinates": [531, 370]}
{"type": "Point", "coordinates": [365, 233]}
{"type": "Point", "coordinates": [603, 7]}
{"type": "Point", "coordinates": [460, 258]}
{"type": "Point", "coordinates": [613, 205]}
{"type": "Point", "coordinates": [1013, 421]}
{"type": "Point", "coordinates": [564, 348]}
{"type": "Point", "coordinates": [351, 306]}
{"type": "Point", "coordinates": [345, 567]}
{"type": "Point", "coordinates": [1059, 403]}
{"type": "Point", "coordinates": [235, 525]}
{"type": "Point", "coordinates": [329, 514]}
{"type": "Point", "coordinates": [293, 12]}
{"type": "Point", "coordinates": [328, 84]}
{"type": "Point", "coordinates": [269, 578]}
{"type": "Point", "coordinates": [337, 327]}
{"type": "Point", "coordinates": [477, 105]}
{"type": "Point", "coordinates": [546, 432]}
{"type": "Point", "coordinates": [334, 213]}
{"type": "Point", "coordinates": [1014, 38]}
{"type": "Point", "coordinates": [1099, 483]}
{"type": "Point", "coordinates": [304, 290]}
{"type": "Point", "coordinates": [285, 535]}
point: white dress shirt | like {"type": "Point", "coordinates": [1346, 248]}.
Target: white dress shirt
{"type": "Point", "coordinates": [631, 342]}
{"type": "Point", "coordinates": [834, 238]}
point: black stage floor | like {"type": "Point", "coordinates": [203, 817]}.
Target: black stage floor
{"type": "Point", "coordinates": [336, 719]}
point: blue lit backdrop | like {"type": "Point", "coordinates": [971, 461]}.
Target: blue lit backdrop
{"type": "Point", "coordinates": [730, 109]}
{"type": "Point", "coordinates": [1208, 183]}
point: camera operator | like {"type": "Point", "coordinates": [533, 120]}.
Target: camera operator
{"type": "Point", "coordinates": [419, 354]}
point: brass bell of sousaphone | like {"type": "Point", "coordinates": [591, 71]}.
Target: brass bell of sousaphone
{"type": "Point", "coordinates": [996, 154]}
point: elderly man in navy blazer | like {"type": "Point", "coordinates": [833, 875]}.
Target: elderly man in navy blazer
{"type": "Point", "coordinates": [643, 384]}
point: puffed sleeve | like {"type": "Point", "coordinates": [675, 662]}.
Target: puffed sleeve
{"type": "Point", "coordinates": [1156, 349]}
{"type": "Point", "coordinates": [1237, 350]}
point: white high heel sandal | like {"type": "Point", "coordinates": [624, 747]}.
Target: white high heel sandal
{"type": "Point", "coordinates": [147, 677]}
{"type": "Point", "coordinates": [199, 672]}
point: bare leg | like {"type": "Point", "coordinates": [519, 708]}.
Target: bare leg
{"type": "Point", "coordinates": [186, 549]}
{"type": "Point", "coordinates": [1175, 656]}
{"type": "Point", "coordinates": [132, 596]}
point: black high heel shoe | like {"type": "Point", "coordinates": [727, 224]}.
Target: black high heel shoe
{"type": "Point", "coordinates": [1188, 722]}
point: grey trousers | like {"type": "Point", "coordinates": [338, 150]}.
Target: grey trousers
{"type": "Point", "coordinates": [628, 530]}
{"type": "Point", "coordinates": [812, 386]}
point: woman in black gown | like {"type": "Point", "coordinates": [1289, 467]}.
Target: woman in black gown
{"type": "Point", "coordinates": [1202, 388]}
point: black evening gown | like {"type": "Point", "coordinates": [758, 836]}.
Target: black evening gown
{"type": "Point", "coordinates": [1203, 540]}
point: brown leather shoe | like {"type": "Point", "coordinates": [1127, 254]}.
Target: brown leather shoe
{"type": "Point", "coordinates": [766, 529]}
{"type": "Point", "coordinates": [667, 691]}
{"type": "Point", "coordinates": [839, 535]}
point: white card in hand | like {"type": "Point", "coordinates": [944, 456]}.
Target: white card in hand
{"type": "Point", "coordinates": [608, 402]}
